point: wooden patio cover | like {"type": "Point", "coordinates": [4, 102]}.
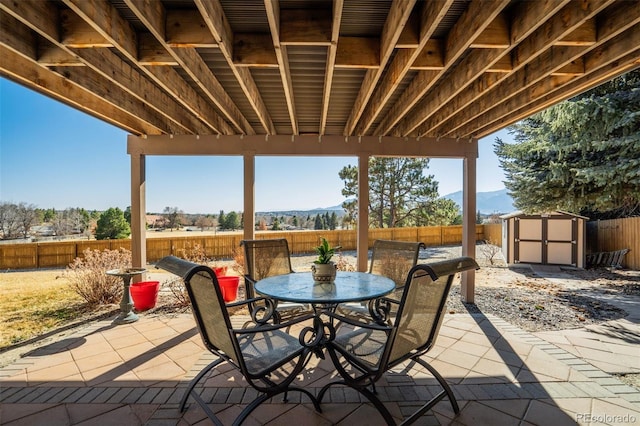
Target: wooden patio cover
{"type": "Point", "coordinates": [313, 77]}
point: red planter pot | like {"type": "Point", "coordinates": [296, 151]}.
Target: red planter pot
{"type": "Point", "coordinates": [220, 271]}
{"type": "Point", "coordinates": [144, 294]}
{"type": "Point", "coordinates": [229, 287]}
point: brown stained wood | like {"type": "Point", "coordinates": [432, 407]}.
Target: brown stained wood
{"type": "Point", "coordinates": [254, 50]}
{"type": "Point", "coordinates": [24, 71]}
{"type": "Point", "coordinates": [305, 27]}
{"type": "Point", "coordinates": [495, 36]}
{"type": "Point", "coordinates": [575, 67]}
{"type": "Point", "coordinates": [520, 57]}
{"type": "Point", "coordinates": [396, 19]}
{"type": "Point", "coordinates": [151, 52]}
{"type": "Point", "coordinates": [458, 39]}
{"type": "Point", "coordinates": [76, 32]}
{"type": "Point", "coordinates": [187, 28]}
{"type": "Point", "coordinates": [358, 52]}
{"type": "Point", "coordinates": [213, 15]}
{"type": "Point", "coordinates": [431, 57]}
{"type": "Point", "coordinates": [584, 35]}
{"type": "Point", "coordinates": [545, 34]}
{"type": "Point", "coordinates": [52, 56]}
{"type": "Point", "coordinates": [550, 62]}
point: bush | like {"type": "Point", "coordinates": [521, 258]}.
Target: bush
{"type": "Point", "coordinates": [87, 275]}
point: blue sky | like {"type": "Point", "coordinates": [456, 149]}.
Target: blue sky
{"type": "Point", "coordinates": [54, 156]}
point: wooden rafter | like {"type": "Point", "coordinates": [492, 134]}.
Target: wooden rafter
{"type": "Point", "coordinates": [105, 19]}
{"type": "Point", "coordinates": [213, 15]}
{"type": "Point", "coordinates": [462, 34]}
{"type": "Point", "coordinates": [153, 16]}
{"type": "Point", "coordinates": [396, 20]}
{"type": "Point", "coordinates": [517, 83]}
{"type": "Point", "coordinates": [273, 15]}
{"type": "Point", "coordinates": [331, 62]}
{"type": "Point", "coordinates": [431, 15]}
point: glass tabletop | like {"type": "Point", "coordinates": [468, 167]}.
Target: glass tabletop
{"type": "Point", "coordinates": [348, 287]}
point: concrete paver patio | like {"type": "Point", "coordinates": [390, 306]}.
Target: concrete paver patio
{"type": "Point", "coordinates": [136, 374]}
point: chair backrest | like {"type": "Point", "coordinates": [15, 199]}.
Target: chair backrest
{"type": "Point", "coordinates": [422, 305]}
{"type": "Point", "coordinates": [207, 304]}
{"type": "Point", "coordinates": [394, 259]}
{"type": "Point", "coordinates": [265, 258]}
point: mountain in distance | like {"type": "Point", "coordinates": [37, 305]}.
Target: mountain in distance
{"type": "Point", "coordinates": [339, 211]}
{"type": "Point", "coordinates": [487, 202]}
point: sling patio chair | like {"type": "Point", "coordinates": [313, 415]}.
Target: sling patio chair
{"type": "Point", "coordinates": [266, 258]}
{"type": "Point", "coordinates": [392, 259]}
{"type": "Point", "coordinates": [362, 353]}
{"type": "Point", "coordinates": [267, 357]}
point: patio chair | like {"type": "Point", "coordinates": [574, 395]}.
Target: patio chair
{"type": "Point", "coordinates": [392, 259]}
{"type": "Point", "coordinates": [266, 258]}
{"type": "Point", "coordinates": [364, 353]}
{"type": "Point", "coordinates": [267, 357]}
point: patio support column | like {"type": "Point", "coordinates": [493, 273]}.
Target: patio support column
{"type": "Point", "coordinates": [467, 288]}
{"type": "Point", "coordinates": [138, 212]}
{"type": "Point", "coordinates": [249, 215]}
{"type": "Point", "coordinates": [362, 239]}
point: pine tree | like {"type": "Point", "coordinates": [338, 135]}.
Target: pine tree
{"type": "Point", "coordinates": [112, 225]}
{"type": "Point", "coordinates": [581, 156]}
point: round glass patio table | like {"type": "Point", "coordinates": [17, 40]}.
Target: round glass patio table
{"type": "Point", "coordinates": [348, 287]}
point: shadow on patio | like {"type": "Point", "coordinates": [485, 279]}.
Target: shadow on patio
{"type": "Point", "coordinates": [136, 374]}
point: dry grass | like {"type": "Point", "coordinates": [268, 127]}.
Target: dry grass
{"type": "Point", "coordinates": [35, 302]}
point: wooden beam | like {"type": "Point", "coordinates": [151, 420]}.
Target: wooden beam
{"type": "Point", "coordinates": [478, 102]}
{"type": "Point", "coordinates": [32, 75]}
{"type": "Point", "coordinates": [38, 16]}
{"type": "Point", "coordinates": [431, 57]}
{"type": "Point", "coordinates": [152, 15]}
{"type": "Point", "coordinates": [152, 53]}
{"type": "Point", "coordinates": [410, 35]}
{"type": "Point", "coordinates": [302, 145]}
{"type": "Point", "coordinates": [611, 52]}
{"type": "Point", "coordinates": [254, 50]}
{"type": "Point", "coordinates": [329, 69]}
{"type": "Point", "coordinates": [562, 92]}
{"type": "Point", "coordinates": [358, 52]}
{"type": "Point", "coordinates": [213, 15]}
{"type": "Point", "coordinates": [495, 35]}
{"type": "Point", "coordinates": [573, 68]}
{"type": "Point", "coordinates": [550, 26]}
{"type": "Point", "coordinates": [431, 15]}
{"type": "Point", "coordinates": [305, 27]}
{"type": "Point", "coordinates": [503, 65]}
{"type": "Point", "coordinates": [472, 22]}
{"type": "Point", "coordinates": [273, 16]}
{"type": "Point", "coordinates": [106, 19]}
{"type": "Point", "coordinates": [585, 35]}
{"type": "Point", "coordinates": [51, 56]}
{"type": "Point", "coordinates": [77, 33]}
{"type": "Point", "coordinates": [187, 28]}
{"type": "Point", "coordinates": [396, 19]}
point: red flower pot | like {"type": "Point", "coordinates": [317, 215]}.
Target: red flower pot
{"type": "Point", "coordinates": [220, 271]}
{"type": "Point", "coordinates": [229, 287]}
{"type": "Point", "coordinates": [144, 294]}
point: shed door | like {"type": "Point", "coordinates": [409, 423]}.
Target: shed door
{"type": "Point", "coordinates": [546, 240]}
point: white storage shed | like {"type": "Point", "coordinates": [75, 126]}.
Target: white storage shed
{"type": "Point", "coordinates": [555, 238]}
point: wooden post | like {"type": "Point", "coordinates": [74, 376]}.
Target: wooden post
{"type": "Point", "coordinates": [138, 213]}
{"type": "Point", "coordinates": [249, 219]}
{"type": "Point", "coordinates": [362, 240]}
{"type": "Point", "coordinates": [467, 288]}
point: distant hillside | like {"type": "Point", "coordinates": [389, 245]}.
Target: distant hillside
{"type": "Point", "coordinates": [487, 202]}
{"type": "Point", "coordinates": [338, 210]}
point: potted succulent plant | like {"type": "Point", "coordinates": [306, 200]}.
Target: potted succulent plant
{"type": "Point", "coordinates": [323, 269]}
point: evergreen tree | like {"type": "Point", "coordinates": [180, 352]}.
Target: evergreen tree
{"type": "Point", "coordinates": [112, 225]}
{"type": "Point", "coordinates": [399, 191]}
{"type": "Point", "coordinates": [222, 220]}
{"type": "Point", "coordinates": [581, 156]}
{"type": "Point", "coordinates": [318, 222]}
{"type": "Point", "coordinates": [232, 221]}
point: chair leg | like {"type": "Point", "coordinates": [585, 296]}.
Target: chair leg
{"type": "Point", "coordinates": [443, 383]}
{"type": "Point", "coordinates": [195, 380]}
{"type": "Point", "coordinates": [367, 393]}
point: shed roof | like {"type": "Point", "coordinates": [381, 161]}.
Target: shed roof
{"type": "Point", "coordinates": [520, 213]}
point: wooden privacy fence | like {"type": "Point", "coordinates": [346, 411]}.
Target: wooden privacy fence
{"type": "Point", "coordinates": [61, 254]}
{"type": "Point", "coordinates": [614, 235]}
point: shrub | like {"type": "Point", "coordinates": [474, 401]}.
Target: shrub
{"type": "Point", "coordinates": [87, 275]}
